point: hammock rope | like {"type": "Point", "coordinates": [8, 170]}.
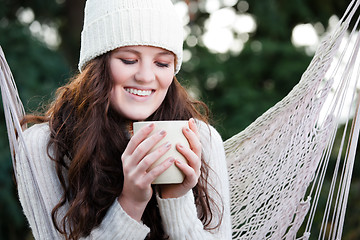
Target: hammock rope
{"type": "Point", "coordinates": [13, 107]}
{"type": "Point", "coordinates": [345, 178]}
{"type": "Point", "coordinates": [273, 162]}
{"type": "Point", "coordinates": [14, 112]}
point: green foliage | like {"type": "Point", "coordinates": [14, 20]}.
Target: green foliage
{"type": "Point", "coordinates": [37, 69]}
{"type": "Point", "coordinates": [241, 88]}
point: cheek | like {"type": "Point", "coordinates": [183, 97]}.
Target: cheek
{"type": "Point", "coordinates": [117, 77]}
{"type": "Point", "coordinates": [119, 73]}
{"type": "Point", "coordinates": [114, 98]}
{"type": "Point", "coordinates": [166, 82]}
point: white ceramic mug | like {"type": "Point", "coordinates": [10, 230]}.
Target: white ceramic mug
{"type": "Point", "coordinates": [174, 135]}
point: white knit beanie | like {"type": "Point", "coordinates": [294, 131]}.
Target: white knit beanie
{"type": "Point", "coordinates": [109, 24]}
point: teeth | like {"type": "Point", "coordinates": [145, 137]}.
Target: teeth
{"type": "Point", "coordinates": [138, 92]}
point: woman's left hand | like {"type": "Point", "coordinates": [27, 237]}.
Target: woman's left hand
{"type": "Point", "coordinates": [190, 170]}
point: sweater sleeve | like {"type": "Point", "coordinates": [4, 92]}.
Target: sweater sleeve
{"type": "Point", "coordinates": [39, 191]}
{"type": "Point", "coordinates": [179, 215]}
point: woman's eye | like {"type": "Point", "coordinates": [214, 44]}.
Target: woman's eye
{"type": "Point", "coordinates": [159, 64]}
{"type": "Point", "coordinates": [125, 61]}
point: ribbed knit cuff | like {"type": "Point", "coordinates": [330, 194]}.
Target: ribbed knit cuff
{"type": "Point", "coordinates": [178, 215]}
{"type": "Point", "coordinates": [119, 225]}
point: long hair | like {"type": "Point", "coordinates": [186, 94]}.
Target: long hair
{"type": "Point", "coordinates": [87, 140]}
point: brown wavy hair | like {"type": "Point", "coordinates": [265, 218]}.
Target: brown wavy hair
{"type": "Point", "coordinates": [88, 138]}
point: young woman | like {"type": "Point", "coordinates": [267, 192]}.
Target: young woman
{"type": "Point", "coordinates": [81, 173]}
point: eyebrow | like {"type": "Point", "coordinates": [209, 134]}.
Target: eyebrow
{"type": "Point", "coordinates": [165, 52]}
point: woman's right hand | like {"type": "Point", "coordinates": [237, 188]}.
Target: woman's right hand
{"type": "Point", "coordinates": [136, 161]}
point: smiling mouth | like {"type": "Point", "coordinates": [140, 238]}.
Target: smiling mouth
{"type": "Point", "coordinates": [138, 92]}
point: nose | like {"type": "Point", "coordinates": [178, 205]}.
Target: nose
{"type": "Point", "coordinates": [145, 73]}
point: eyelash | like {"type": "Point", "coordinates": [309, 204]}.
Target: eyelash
{"type": "Point", "coordinates": [159, 64]}
{"type": "Point", "coordinates": [128, 61]}
{"type": "Point", "coordinates": [163, 65]}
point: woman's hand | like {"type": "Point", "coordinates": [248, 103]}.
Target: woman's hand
{"type": "Point", "coordinates": [136, 161]}
{"type": "Point", "coordinates": [191, 170]}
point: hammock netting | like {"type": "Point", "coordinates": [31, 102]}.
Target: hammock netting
{"type": "Point", "coordinates": [278, 164]}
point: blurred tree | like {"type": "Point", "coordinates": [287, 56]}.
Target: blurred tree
{"type": "Point", "coordinates": [240, 87]}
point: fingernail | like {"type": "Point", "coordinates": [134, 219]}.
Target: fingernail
{"type": "Point", "coordinates": [168, 145]}
{"type": "Point", "coordinates": [172, 160]}
{"type": "Point", "coordinates": [162, 132]}
{"type": "Point", "coordinates": [178, 162]}
{"type": "Point", "coordinates": [180, 146]}
{"type": "Point", "coordinates": [187, 129]}
{"type": "Point", "coordinates": [150, 125]}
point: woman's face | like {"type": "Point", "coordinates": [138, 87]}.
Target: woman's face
{"type": "Point", "coordinates": [142, 76]}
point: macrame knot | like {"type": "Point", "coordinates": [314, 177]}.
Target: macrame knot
{"type": "Point", "coordinates": [306, 235]}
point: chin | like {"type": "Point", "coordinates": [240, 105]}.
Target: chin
{"type": "Point", "coordinates": [138, 117]}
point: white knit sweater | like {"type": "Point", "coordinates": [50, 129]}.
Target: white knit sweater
{"type": "Point", "coordinates": [39, 191]}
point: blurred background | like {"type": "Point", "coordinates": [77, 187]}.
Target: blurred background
{"type": "Point", "coordinates": [240, 57]}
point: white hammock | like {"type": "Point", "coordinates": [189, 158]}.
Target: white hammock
{"type": "Point", "coordinates": [273, 162]}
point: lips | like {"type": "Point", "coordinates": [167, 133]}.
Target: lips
{"type": "Point", "coordinates": [139, 92]}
